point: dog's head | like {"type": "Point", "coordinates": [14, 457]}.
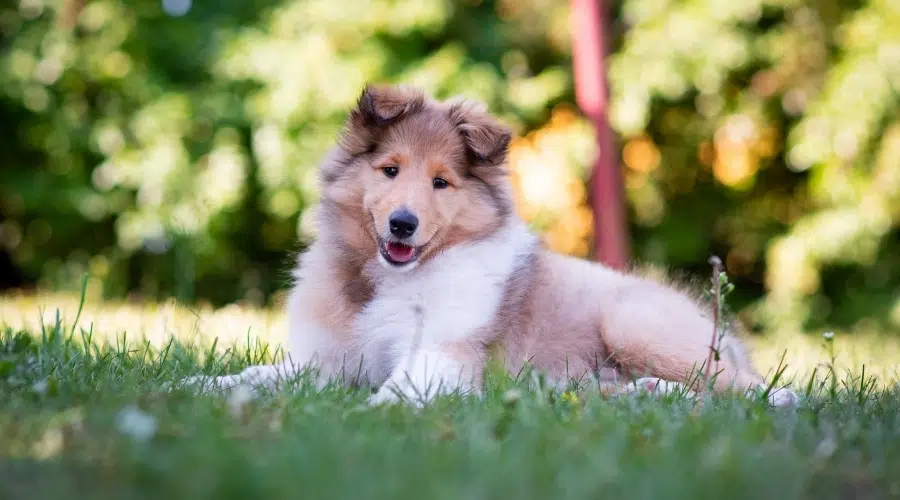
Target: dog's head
{"type": "Point", "coordinates": [417, 175]}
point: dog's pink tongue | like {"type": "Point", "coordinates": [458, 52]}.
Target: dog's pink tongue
{"type": "Point", "coordinates": [400, 252]}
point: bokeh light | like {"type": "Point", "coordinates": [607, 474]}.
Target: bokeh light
{"type": "Point", "coordinates": [170, 148]}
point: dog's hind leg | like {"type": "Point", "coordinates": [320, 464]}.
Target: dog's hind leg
{"type": "Point", "coordinates": [656, 332]}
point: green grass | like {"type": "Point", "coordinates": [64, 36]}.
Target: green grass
{"type": "Point", "coordinates": [87, 419]}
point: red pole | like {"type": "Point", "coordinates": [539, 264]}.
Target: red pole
{"type": "Point", "coordinates": [588, 25]}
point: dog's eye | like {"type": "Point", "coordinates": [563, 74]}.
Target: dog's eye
{"type": "Point", "coordinates": [391, 171]}
{"type": "Point", "coordinates": [439, 183]}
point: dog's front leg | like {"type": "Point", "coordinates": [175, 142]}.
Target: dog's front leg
{"type": "Point", "coordinates": [268, 376]}
{"type": "Point", "coordinates": [427, 372]}
{"type": "Point", "coordinates": [313, 353]}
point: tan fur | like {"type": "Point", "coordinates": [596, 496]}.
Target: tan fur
{"type": "Point", "coordinates": [582, 318]}
{"type": "Point", "coordinates": [429, 142]}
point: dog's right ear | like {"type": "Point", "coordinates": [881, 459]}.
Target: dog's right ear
{"type": "Point", "coordinates": [377, 108]}
{"type": "Point", "coordinates": [487, 140]}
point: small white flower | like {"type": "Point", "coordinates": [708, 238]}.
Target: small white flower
{"type": "Point", "coordinates": [828, 445]}
{"type": "Point", "coordinates": [239, 397]}
{"type": "Point", "coordinates": [133, 422]}
{"type": "Point", "coordinates": [50, 444]}
{"type": "Point", "coordinates": [828, 335]}
{"type": "Point", "coordinates": [40, 388]}
{"type": "Point", "coordinates": [275, 420]}
{"type": "Point", "coordinates": [826, 448]}
{"type": "Point", "coordinates": [512, 396]}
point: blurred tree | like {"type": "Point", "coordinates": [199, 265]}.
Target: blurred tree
{"type": "Point", "coordinates": [169, 147]}
{"type": "Point", "coordinates": [789, 110]}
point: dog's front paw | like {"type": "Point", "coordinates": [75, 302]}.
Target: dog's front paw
{"type": "Point", "coordinates": [394, 394]}
{"type": "Point", "coordinates": [383, 396]}
{"type": "Point", "coordinates": [207, 383]}
{"type": "Point", "coordinates": [784, 398]}
{"type": "Point", "coordinates": [658, 386]}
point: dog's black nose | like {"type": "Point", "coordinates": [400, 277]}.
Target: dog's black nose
{"type": "Point", "coordinates": [403, 223]}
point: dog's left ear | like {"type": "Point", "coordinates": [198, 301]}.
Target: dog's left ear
{"type": "Point", "coordinates": [487, 140]}
{"type": "Point", "coordinates": [378, 107]}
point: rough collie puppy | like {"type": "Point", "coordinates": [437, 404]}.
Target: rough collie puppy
{"type": "Point", "coordinates": [421, 270]}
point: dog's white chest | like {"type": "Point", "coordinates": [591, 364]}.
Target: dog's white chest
{"type": "Point", "coordinates": [445, 300]}
{"type": "Point", "coordinates": [437, 304]}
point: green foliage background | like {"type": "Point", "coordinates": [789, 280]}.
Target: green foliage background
{"type": "Point", "coordinates": [175, 155]}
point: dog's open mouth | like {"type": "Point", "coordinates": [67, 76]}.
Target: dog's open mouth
{"type": "Point", "coordinates": [398, 254]}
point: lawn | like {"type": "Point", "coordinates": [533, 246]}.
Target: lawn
{"type": "Point", "coordinates": [85, 414]}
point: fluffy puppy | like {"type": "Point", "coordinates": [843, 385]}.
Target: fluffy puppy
{"type": "Point", "coordinates": [421, 270]}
